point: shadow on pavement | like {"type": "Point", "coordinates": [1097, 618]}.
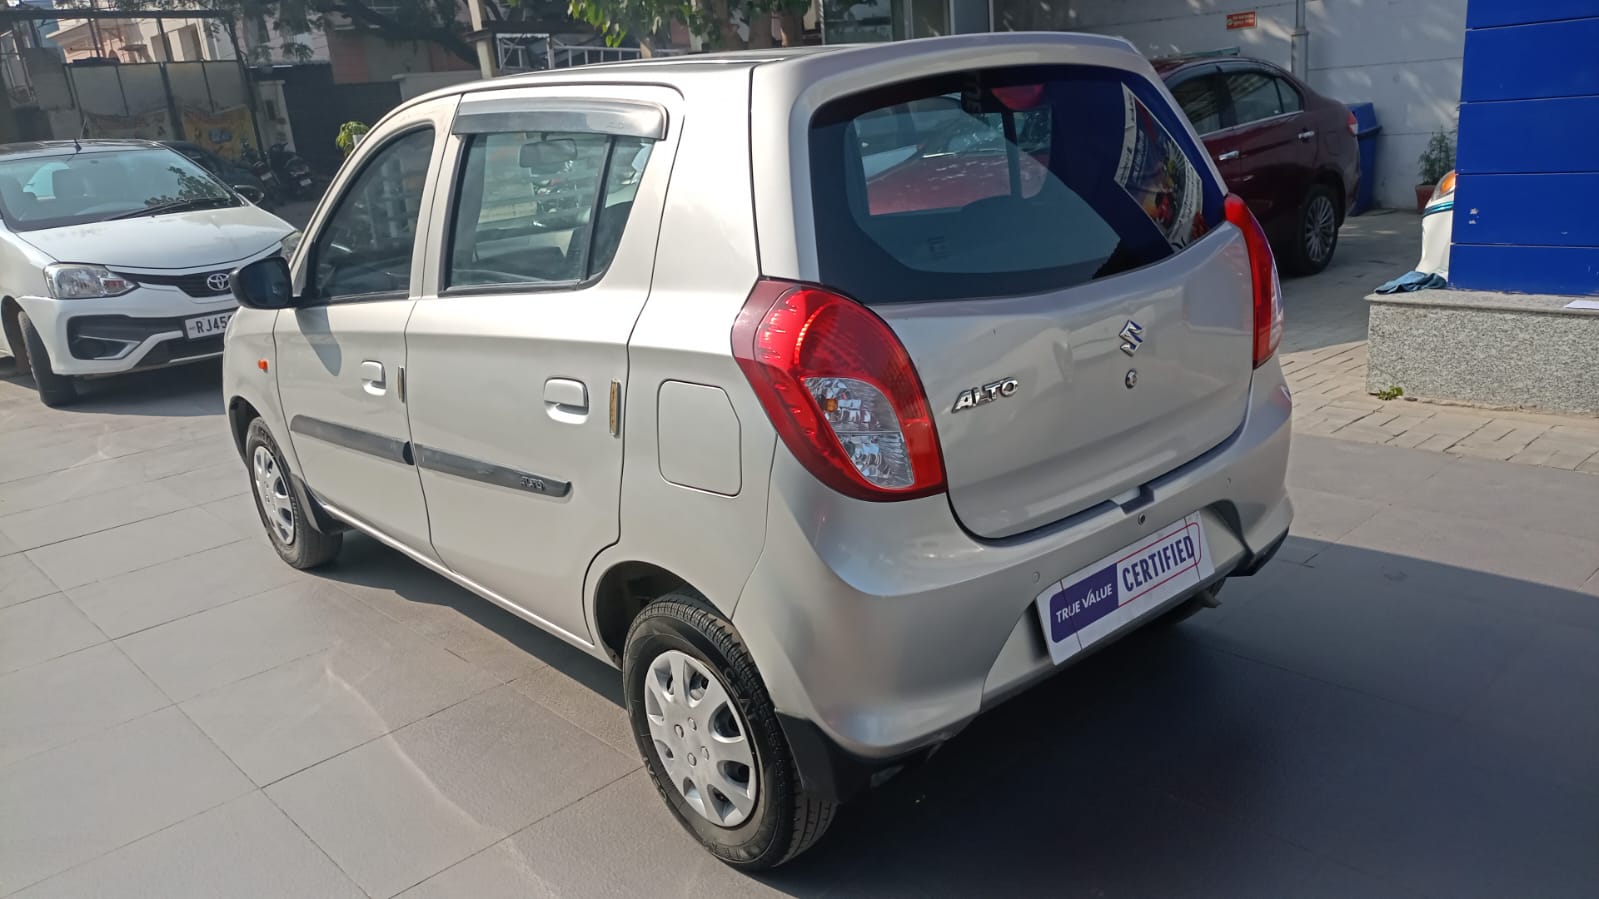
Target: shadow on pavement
{"type": "Point", "coordinates": [1367, 724]}
{"type": "Point", "coordinates": [185, 390]}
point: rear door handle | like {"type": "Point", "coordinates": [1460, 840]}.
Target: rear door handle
{"type": "Point", "coordinates": [373, 380]}
{"type": "Point", "coordinates": [566, 400]}
{"type": "Point", "coordinates": [1229, 155]}
{"type": "Point", "coordinates": [1307, 134]}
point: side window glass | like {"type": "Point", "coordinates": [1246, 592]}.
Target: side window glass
{"type": "Point", "coordinates": [365, 248]}
{"type": "Point", "coordinates": [1254, 96]}
{"type": "Point", "coordinates": [1201, 102]}
{"type": "Point", "coordinates": [1289, 95]}
{"type": "Point", "coordinates": [541, 209]}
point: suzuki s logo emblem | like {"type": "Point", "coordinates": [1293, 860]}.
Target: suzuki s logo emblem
{"type": "Point", "coordinates": [218, 282]}
{"type": "Point", "coordinates": [1132, 336]}
{"type": "Point", "coordinates": [987, 393]}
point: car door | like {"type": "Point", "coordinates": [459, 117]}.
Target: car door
{"type": "Point", "coordinates": [341, 352]}
{"type": "Point", "coordinates": [518, 348]}
{"type": "Point", "coordinates": [1266, 171]}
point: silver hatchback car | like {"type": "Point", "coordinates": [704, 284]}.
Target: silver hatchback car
{"type": "Point", "coordinates": [835, 395]}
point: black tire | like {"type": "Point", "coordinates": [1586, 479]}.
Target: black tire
{"type": "Point", "coordinates": [54, 390]}
{"type": "Point", "coordinates": [785, 820]}
{"type": "Point", "coordinates": [305, 547]}
{"type": "Point", "coordinates": [1315, 236]}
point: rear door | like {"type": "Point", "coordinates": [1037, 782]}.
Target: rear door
{"type": "Point", "coordinates": [1093, 267]}
{"type": "Point", "coordinates": [517, 349]}
{"type": "Point", "coordinates": [1275, 155]}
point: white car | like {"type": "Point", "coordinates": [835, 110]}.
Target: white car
{"type": "Point", "coordinates": [115, 256]}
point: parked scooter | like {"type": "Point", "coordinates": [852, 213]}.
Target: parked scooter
{"type": "Point", "coordinates": [292, 172]}
{"type": "Point", "coordinates": [262, 169]}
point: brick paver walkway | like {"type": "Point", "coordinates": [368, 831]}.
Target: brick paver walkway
{"type": "Point", "coordinates": [1324, 359]}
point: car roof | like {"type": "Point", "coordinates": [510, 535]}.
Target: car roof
{"type": "Point", "coordinates": [28, 149]}
{"type": "Point", "coordinates": [1166, 66]}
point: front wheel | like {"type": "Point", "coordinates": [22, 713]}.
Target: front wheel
{"type": "Point", "coordinates": [295, 538]}
{"type": "Point", "coordinates": [54, 390]}
{"type": "Point", "coordinates": [709, 735]}
{"type": "Point", "coordinates": [1317, 235]}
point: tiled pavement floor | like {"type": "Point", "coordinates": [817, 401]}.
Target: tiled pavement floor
{"type": "Point", "coordinates": [1324, 358]}
{"type": "Point", "coordinates": [1401, 705]}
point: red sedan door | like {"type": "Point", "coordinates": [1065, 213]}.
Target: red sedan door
{"type": "Point", "coordinates": [1266, 157]}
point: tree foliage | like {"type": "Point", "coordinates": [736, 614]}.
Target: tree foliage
{"type": "Point", "coordinates": [723, 24]}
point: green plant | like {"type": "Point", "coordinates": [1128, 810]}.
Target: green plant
{"type": "Point", "coordinates": [348, 133]}
{"type": "Point", "coordinates": [1438, 159]}
{"type": "Point", "coordinates": [1392, 392]}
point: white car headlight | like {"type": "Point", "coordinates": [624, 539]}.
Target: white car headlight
{"type": "Point", "coordinates": [286, 249]}
{"type": "Point", "coordinates": [69, 281]}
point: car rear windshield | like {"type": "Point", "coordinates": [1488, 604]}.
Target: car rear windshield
{"type": "Point", "coordinates": [1002, 181]}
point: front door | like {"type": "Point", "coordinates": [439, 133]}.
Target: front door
{"type": "Point", "coordinates": [341, 353]}
{"type": "Point", "coordinates": [540, 261]}
{"type": "Point", "coordinates": [1264, 168]}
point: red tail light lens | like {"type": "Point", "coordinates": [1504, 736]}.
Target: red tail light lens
{"type": "Point", "coordinates": [840, 390]}
{"type": "Point", "coordinates": [1263, 274]}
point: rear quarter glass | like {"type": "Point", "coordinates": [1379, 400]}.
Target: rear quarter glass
{"type": "Point", "coordinates": [1003, 181]}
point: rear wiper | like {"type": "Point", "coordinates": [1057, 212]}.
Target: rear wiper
{"type": "Point", "coordinates": [175, 206]}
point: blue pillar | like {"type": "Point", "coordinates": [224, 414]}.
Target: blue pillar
{"type": "Point", "coordinates": [1527, 193]}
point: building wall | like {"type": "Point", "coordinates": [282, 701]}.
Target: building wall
{"type": "Point", "coordinates": [1402, 55]}
{"type": "Point", "coordinates": [362, 56]}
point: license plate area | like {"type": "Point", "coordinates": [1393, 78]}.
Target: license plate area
{"type": "Point", "coordinates": [1081, 609]}
{"type": "Point", "coordinates": [205, 326]}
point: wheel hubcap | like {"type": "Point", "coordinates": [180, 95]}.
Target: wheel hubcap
{"type": "Point", "coordinates": [272, 494]}
{"type": "Point", "coordinates": [700, 738]}
{"type": "Point", "coordinates": [1321, 229]}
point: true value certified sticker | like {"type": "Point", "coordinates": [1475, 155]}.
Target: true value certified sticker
{"type": "Point", "coordinates": [1079, 610]}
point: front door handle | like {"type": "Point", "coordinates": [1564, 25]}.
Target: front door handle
{"type": "Point", "coordinates": [566, 400]}
{"type": "Point", "coordinates": [1307, 134]}
{"type": "Point", "coordinates": [373, 380]}
{"type": "Point", "coordinates": [1229, 155]}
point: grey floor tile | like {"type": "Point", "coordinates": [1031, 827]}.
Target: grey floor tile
{"type": "Point", "coordinates": [80, 801]}
{"type": "Point", "coordinates": [90, 514]}
{"type": "Point", "coordinates": [289, 718]}
{"type": "Point", "coordinates": [203, 485]}
{"type": "Point", "coordinates": [70, 697]}
{"type": "Point", "coordinates": [400, 809]}
{"type": "Point", "coordinates": [242, 849]}
{"type": "Point", "coordinates": [239, 514]}
{"type": "Point", "coordinates": [160, 593]}
{"type": "Point", "coordinates": [7, 547]}
{"type": "Point", "coordinates": [559, 856]}
{"type": "Point", "coordinates": [1329, 516]}
{"type": "Point", "coordinates": [84, 560]}
{"type": "Point", "coordinates": [194, 655]}
{"type": "Point", "coordinates": [1382, 474]}
{"type": "Point", "coordinates": [42, 629]}
{"type": "Point", "coordinates": [1485, 546]}
{"type": "Point", "coordinates": [21, 580]}
{"type": "Point", "coordinates": [586, 692]}
{"type": "Point", "coordinates": [1528, 497]}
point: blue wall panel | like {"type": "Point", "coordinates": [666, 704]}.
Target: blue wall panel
{"type": "Point", "coordinates": [1571, 271]}
{"type": "Point", "coordinates": [1560, 135]}
{"type": "Point", "coordinates": [1492, 13]}
{"type": "Point", "coordinates": [1535, 210]}
{"type": "Point", "coordinates": [1557, 59]}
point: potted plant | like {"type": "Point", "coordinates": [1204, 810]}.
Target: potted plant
{"type": "Point", "coordinates": [350, 134]}
{"type": "Point", "coordinates": [1436, 161]}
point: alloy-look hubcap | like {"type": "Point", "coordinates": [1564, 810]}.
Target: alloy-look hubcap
{"type": "Point", "coordinates": [700, 738]}
{"type": "Point", "coordinates": [1321, 228]}
{"type": "Point", "coordinates": [272, 493]}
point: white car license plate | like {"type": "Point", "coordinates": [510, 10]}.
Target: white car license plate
{"type": "Point", "coordinates": [1079, 610]}
{"type": "Point", "coordinates": [207, 325]}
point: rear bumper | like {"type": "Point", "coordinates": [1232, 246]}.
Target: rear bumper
{"type": "Point", "coordinates": [882, 629]}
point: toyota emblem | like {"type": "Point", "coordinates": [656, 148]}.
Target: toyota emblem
{"type": "Point", "coordinates": [218, 282]}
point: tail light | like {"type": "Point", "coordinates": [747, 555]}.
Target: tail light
{"type": "Point", "coordinates": [1268, 290]}
{"type": "Point", "coordinates": [1354, 125]}
{"type": "Point", "coordinates": [840, 390]}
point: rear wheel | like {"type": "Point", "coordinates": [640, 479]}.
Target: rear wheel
{"type": "Point", "coordinates": [1317, 235]}
{"type": "Point", "coordinates": [709, 735]}
{"type": "Point", "coordinates": [288, 526]}
{"type": "Point", "coordinates": [54, 390]}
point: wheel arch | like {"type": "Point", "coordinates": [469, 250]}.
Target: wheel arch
{"type": "Point", "coordinates": [11, 327]}
{"type": "Point", "coordinates": [240, 414]}
{"type": "Point", "coordinates": [622, 592]}
{"type": "Point", "coordinates": [1335, 182]}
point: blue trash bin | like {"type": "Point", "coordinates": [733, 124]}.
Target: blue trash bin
{"type": "Point", "coordinates": [1366, 129]}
